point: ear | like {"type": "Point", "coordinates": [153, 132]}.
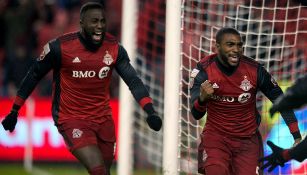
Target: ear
{"type": "Point", "coordinates": [81, 23]}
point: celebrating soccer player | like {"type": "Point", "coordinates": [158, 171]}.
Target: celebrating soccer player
{"type": "Point", "coordinates": [82, 64]}
{"type": "Point", "coordinates": [225, 87]}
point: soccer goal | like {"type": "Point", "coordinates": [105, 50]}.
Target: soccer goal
{"type": "Point", "coordinates": [274, 34]}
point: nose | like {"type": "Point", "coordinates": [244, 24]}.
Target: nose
{"type": "Point", "coordinates": [101, 25]}
{"type": "Point", "coordinates": [237, 48]}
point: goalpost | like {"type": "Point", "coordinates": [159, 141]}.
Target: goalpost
{"type": "Point", "coordinates": [274, 34]}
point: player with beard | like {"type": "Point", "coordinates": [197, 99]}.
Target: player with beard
{"type": "Point", "coordinates": [82, 64]}
{"type": "Point", "coordinates": [224, 86]}
{"type": "Point", "coordinates": [294, 98]}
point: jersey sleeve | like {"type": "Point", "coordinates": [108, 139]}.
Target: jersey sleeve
{"type": "Point", "coordinates": [198, 76]}
{"type": "Point", "coordinates": [272, 91]}
{"type": "Point", "coordinates": [43, 64]}
{"type": "Point", "coordinates": [135, 84]}
{"type": "Point", "coordinates": [294, 97]}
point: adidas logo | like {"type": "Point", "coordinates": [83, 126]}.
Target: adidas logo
{"type": "Point", "coordinates": [215, 86]}
{"type": "Point", "coordinates": [76, 60]}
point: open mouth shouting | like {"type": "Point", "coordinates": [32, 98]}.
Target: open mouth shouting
{"type": "Point", "coordinates": [97, 36]}
{"type": "Point", "coordinates": [233, 59]}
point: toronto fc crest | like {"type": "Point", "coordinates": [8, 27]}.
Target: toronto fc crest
{"type": "Point", "coordinates": [76, 133]}
{"type": "Point", "coordinates": [246, 84]}
{"type": "Point", "coordinates": [107, 58]}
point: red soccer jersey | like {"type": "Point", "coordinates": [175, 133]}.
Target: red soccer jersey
{"type": "Point", "coordinates": [232, 109]}
{"type": "Point", "coordinates": [84, 79]}
{"type": "Point", "coordinates": [81, 77]}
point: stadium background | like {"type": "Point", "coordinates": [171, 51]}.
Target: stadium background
{"type": "Point", "coordinates": [28, 24]}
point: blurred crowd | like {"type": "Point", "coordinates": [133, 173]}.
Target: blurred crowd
{"type": "Point", "coordinates": [27, 25]}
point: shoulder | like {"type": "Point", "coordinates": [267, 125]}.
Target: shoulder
{"type": "Point", "coordinates": [68, 37]}
{"type": "Point", "coordinates": [109, 38]}
{"type": "Point", "coordinates": [250, 61]}
{"type": "Point", "coordinates": [207, 60]}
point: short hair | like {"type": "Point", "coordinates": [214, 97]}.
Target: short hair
{"type": "Point", "coordinates": [226, 30]}
{"type": "Point", "coordinates": [88, 6]}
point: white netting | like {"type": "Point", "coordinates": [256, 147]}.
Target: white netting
{"type": "Point", "coordinates": [150, 66]}
{"type": "Point", "coordinates": [274, 33]}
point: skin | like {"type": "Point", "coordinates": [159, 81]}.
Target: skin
{"type": "Point", "coordinates": [93, 25]}
{"type": "Point", "coordinates": [230, 49]}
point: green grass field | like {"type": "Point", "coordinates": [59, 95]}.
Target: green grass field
{"type": "Point", "coordinates": [55, 169]}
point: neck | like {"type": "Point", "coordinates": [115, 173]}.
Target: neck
{"type": "Point", "coordinates": [224, 67]}
{"type": "Point", "coordinates": [222, 62]}
{"type": "Point", "coordinates": [86, 41]}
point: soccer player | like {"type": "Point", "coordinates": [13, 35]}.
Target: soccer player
{"type": "Point", "coordinates": [294, 98]}
{"type": "Point", "coordinates": [82, 64]}
{"type": "Point", "coordinates": [224, 86]}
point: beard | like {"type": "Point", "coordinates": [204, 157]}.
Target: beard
{"type": "Point", "coordinates": [89, 40]}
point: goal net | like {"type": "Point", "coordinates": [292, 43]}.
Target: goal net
{"type": "Point", "coordinates": [274, 34]}
{"type": "Point", "coordinates": [149, 64]}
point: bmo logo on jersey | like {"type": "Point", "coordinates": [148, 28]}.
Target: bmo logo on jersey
{"type": "Point", "coordinates": [243, 98]}
{"type": "Point", "coordinates": [103, 72]}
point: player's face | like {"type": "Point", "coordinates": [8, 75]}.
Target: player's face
{"type": "Point", "coordinates": [93, 25]}
{"type": "Point", "coordinates": [230, 49]}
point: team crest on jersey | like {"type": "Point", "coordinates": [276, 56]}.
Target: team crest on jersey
{"type": "Point", "coordinates": [76, 133]}
{"type": "Point", "coordinates": [246, 84]}
{"type": "Point", "coordinates": [107, 59]}
{"type": "Point", "coordinates": [45, 51]}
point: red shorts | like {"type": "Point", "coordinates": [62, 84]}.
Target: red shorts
{"type": "Point", "coordinates": [222, 155]}
{"type": "Point", "coordinates": [80, 133]}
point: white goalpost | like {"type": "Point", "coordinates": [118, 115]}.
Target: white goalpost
{"type": "Point", "coordinates": [125, 152]}
{"type": "Point", "coordinates": [171, 87]}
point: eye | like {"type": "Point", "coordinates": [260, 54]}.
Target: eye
{"type": "Point", "coordinates": [230, 44]}
{"type": "Point", "coordinates": [94, 20]}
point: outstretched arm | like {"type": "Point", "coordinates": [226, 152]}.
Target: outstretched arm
{"type": "Point", "coordinates": [137, 88]}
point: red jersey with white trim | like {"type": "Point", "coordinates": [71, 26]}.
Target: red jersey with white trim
{"type": "Point", "coordinates": [85, 78]}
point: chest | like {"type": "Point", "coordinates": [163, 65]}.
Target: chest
{"type": "Point", "coordinates": [78, 62]}
{"type": "Point", "coordinates": [242, 81]}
